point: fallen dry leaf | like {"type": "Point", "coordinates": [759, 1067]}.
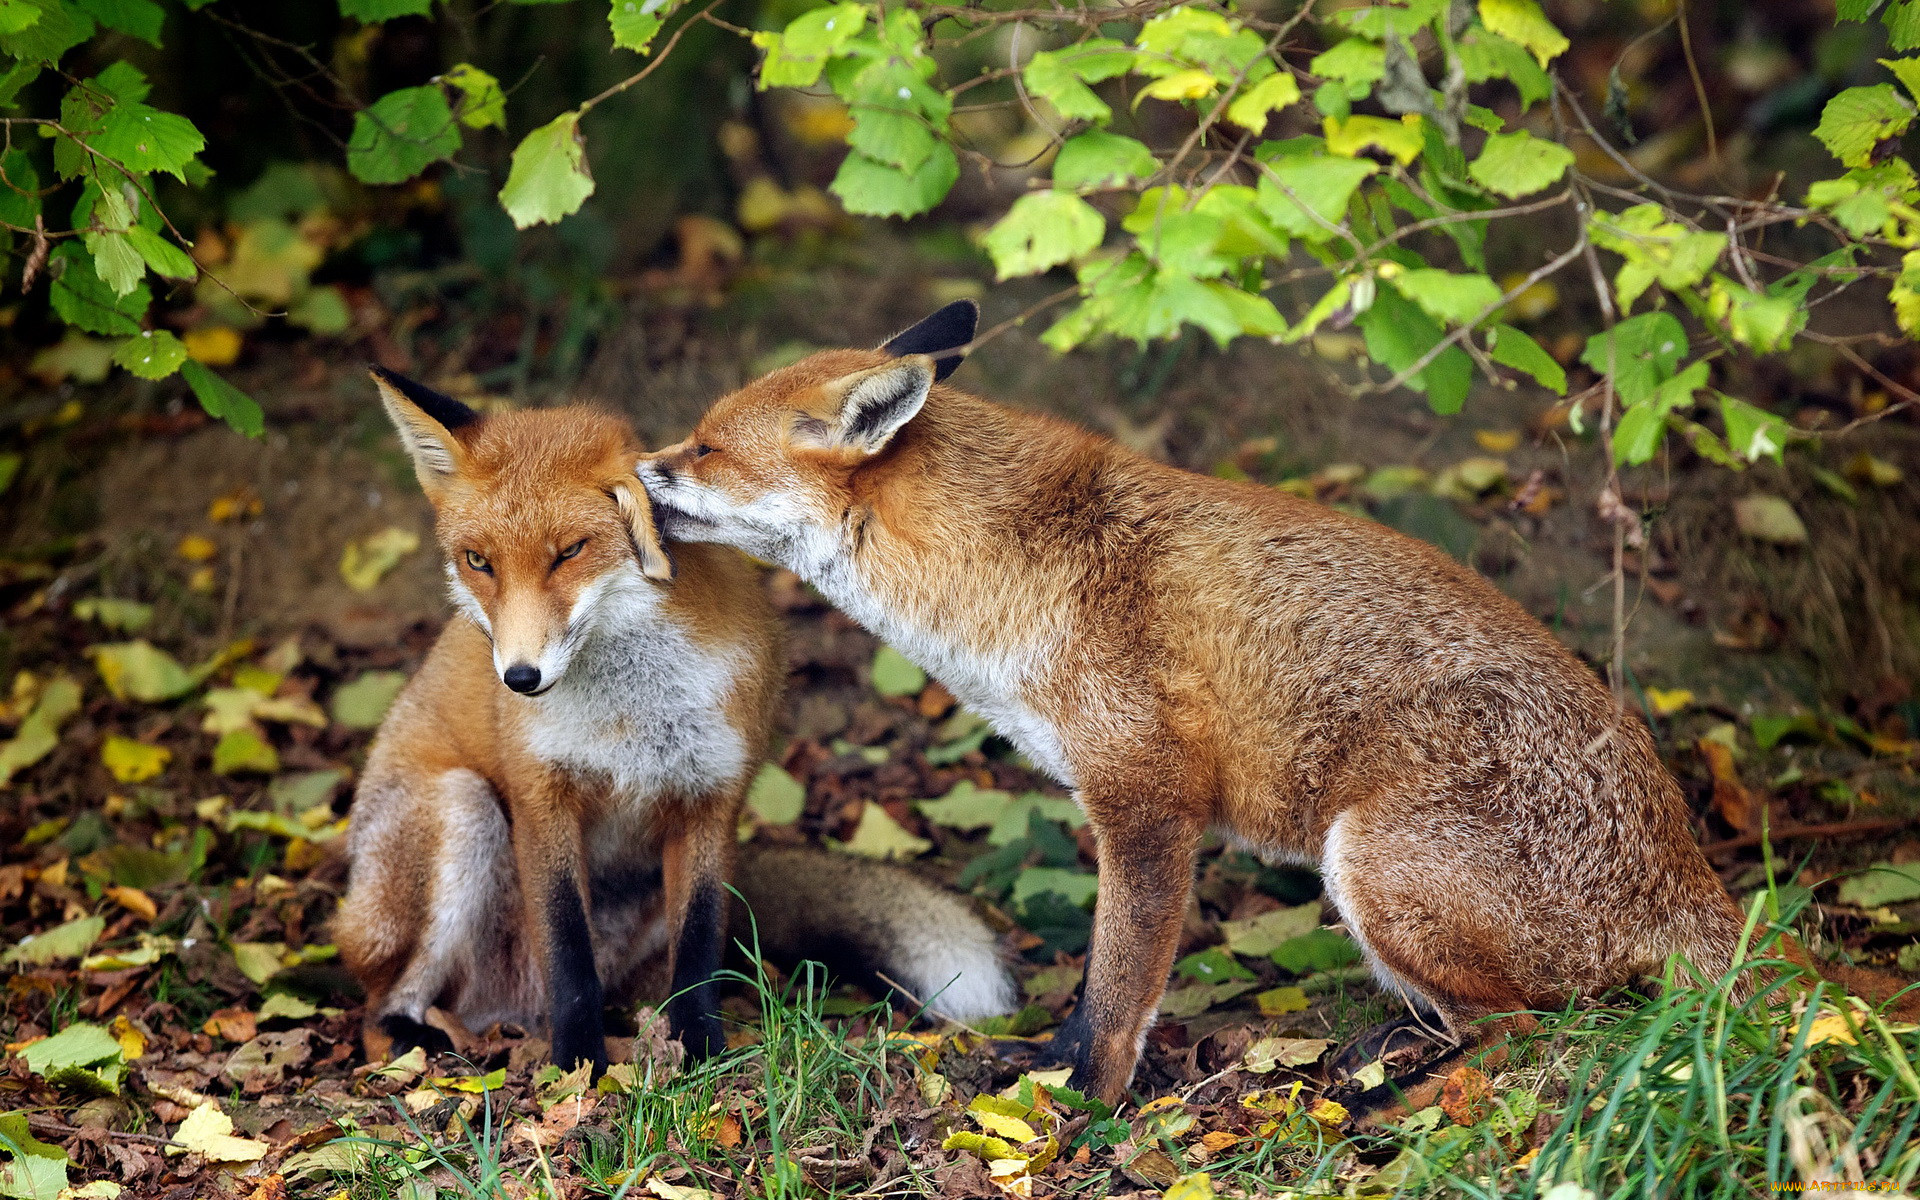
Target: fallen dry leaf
{"type": "Point", "coordinates": [1467, 1096]}
{"type": "Point", "coordinates": [1730, 797]}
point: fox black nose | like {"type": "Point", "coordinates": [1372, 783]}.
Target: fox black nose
{"type": "Point", "coordinates": [522, 678]}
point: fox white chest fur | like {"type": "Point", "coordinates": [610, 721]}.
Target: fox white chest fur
{"type": "Point", "coordinates": [643, 704]}
{"type": "Point", "coordinates": [992, 684]}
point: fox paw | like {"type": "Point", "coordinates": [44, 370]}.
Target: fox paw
{"type": "Point", "coordinates": [408, 1033]}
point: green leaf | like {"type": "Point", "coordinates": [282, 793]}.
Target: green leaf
{"type": "Point", "coordinates": [1882, 884]}
{"type": "Point", "coordinates": [1902, 20]}
{"type": "Point", "coordinates": [1856, 10]}
{"type": "Point", "coordinates": [549, 179]}
{"type": "Point", "coordinates": [69, 940]}
{"type": "Point", "coordinates": [1753, 433]}
{"type": "Point", "coordinates": [1043, 230]}
{"type": "Point", "coordinates": [894, 674]}
{"type": "Point", "coordinates": [139, 670]}
{"type": "Point", "coordinates": [323, 310]}
{"type": "Point", "coordinates": [1212, 965]}
{"type": "Point", "coordinates": [968, 807]}
{"type": "Point", "coordinates": [1769, 518]}
{"type": "Point", "coordinates": [1251, 108]}
{"type": "Point", "coordinates": [162, 255]}
{"type": "Point", "coordinates": [1354, 61]}
{"type": "Point", "coordinates": [19, 182]}
{"type": "Point", "coordinates": [1320, 185]}
{"type": "Point", "coordinates": [143, 139]}
{"type": "Point", "coordinates": [80, 1044]}
{"type": "Point", "coordinates": [363, 703]}
{"type": "Point", "coordinates": [1643, 426]}
{"type": "Point", "coordinates": [116, 262]}
{"type": "Point", "coordinates": [1860, 118]}
{"type": "Point", "coordinates": [1654, 249]}
{"type": "Point", "coordinates": [1100, 159]}
{"type": "Point", "coordinates": [84, 301]}
{"type": "Point", "coordinates": [243, 750]}
{"type": "Point", "coordinates": [39, 733]}
{"type": "Point", "coordinates": [637, 22]}
{"type": "Point", "coordinates": [796, 55]}
{"type": "Point", "coordinates": [878, 835]}
{"type": "Point", "coordinates": [223, 400]}
{"type": "Point", "coordinates": [403, 133]}
{"type": "Point", "coordinates": [1320, 950]}
{"type": "Point", "coordinates": [482, 103]}
{"type": "Point", "coordinates": [775, 796]}
{"type": "Point", "coordinates": [1060, 77]}
{"type": "Point", "coordinates": [888, 126]}
{"type": "Point", "coordinates": [1644, 351]}
{"type": "Point", "coordinates": [371, 11]}
{"type": "Point", "coordinates": [1078, 887]}
{"type": "Point", "coordinates": [59, 28]}
{"type": "Point", "coordinates": [16, 15]}
{"type": "Point", "coordinates": [1756, 320]}
{"type": "Point", "coordinates": [868, 187]}
{"type": "Point", "coordinates": [1398, 333]}
{"type": "Point", "coordinates": [151, 354]}
{"type": "Point", "coordinates": [1511, 348]}
{"type": "Point", "coordinates": [1522, 21]}
{"type": "Point", "coordinates": [1485, 55]}
{"type": "Point", "coordinates": [1258, 937]}
{"type": "Point", "coordinates": [1519, 164]}
{"type": "Point", "coordinates": [1455, 299]}
{"type": "Point", "coordinates": [141, 18]}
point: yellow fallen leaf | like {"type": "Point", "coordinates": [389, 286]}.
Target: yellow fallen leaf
{"type": "Point", "coordinates": [1667, 702]}
{"type": "Point", "coordinates": [209, 1132]}
{"type": "Point", "coordinates": [1330, 1113]}
{"type": "Point", "coordinates": [1497, 441]}
{"type": "Point", "coordinates": [133, 1043]}
{"type": "Point", "coordinates": [1011, 1128]}
{"type": "Point", "coordinates": [1218, 1140]}
{"type": "Point", "coordinates": [216, 345]}
{"type": "Point", "coordinates": [1830, 1027]}
{"type": "Point", "coordinates": [196, 548]}
{"type": "Point", "coordinates": [237, 505]}
{"type": "Point", "coordinates": [201, 581]}
{"type": "Point", "coordinates": [134, 901]}
{"type": "Point", "coordinates": [1536, 302]}
{"type": "Point", "coordinates": [133, 762]}
{"type": "Point", "coordinates": [364, 563]}
{"type": "Point", "coordinates": [1277, 1002]}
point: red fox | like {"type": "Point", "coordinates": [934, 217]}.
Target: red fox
{"type": "Point", "coordinates": [1190, 654]}
{"type": "Point", "coordinates": [547, 817]}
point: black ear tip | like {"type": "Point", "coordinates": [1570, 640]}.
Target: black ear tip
{"type": "Point", "coordinates": [443, 408]}
{"type": "Point", "coordinates": [939, 335]}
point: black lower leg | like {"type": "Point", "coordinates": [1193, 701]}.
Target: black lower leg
{"type": "Point", "coordinates": [573, 985]}
{"type": "Point", "coordinates": [693, 1011]}
{"type": "Point", "coordinates": [408, 1033]}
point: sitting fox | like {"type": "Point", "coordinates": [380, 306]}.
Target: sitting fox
{"type": "Point", "coordinates": [547, 817]}
{"type": "Point", "coordinates": [1191, 654]}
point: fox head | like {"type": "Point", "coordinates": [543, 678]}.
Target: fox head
{"type": "Point", "coordinates": [770, 468]}
{"type": "Point", "coordinates": [545, 534]}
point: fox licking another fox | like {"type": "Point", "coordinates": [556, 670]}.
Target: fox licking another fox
{"type": "Point", "coordinates": [547, 817]}
{"type": "Point", "coordinates": [1190, 654]}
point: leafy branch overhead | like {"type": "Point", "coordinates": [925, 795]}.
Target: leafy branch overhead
{"type": "Point", "coordinates": [1387, 189]}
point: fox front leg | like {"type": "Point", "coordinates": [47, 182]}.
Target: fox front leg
{"type": "Point", "coordinates": [552, 883]}
{"type": "Point", "coordinates": [1146, 871]}
{"type": "Point", "coordinates": [694, 873]}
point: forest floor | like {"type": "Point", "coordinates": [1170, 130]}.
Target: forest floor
{"type": "Point", "coordinates": [202, 632]}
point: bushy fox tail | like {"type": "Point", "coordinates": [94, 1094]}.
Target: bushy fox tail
{"type": "Point", "coordinates": [1897, 996]}
{"type": "Point", "coordinates": [869, 921]}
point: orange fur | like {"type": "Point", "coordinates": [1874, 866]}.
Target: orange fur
{"type": "Point", "coordinates": [1192, 654]}
{"type": "Point", "coordinates": [518, 856]}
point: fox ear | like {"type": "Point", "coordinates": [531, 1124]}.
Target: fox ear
{"type": "Point", "coordinates": [426, 421]}
{"type": "Point", "coordinates": [872, 405]}
{"type": "Point", "coordinates": [655, 563]}
{"type": "Point", "coordinates": [939, 337]}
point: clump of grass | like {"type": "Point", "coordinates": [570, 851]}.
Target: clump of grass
{"type": "Point", "coordinates": [1710, 1088]}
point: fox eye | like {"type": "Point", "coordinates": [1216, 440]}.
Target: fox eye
{"type": "Point", "coordinates": [478, 562]}
{"type": "Point", "coordinates": [570, 551]}
{"type": "Point", "coordinates": [702, 450]}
